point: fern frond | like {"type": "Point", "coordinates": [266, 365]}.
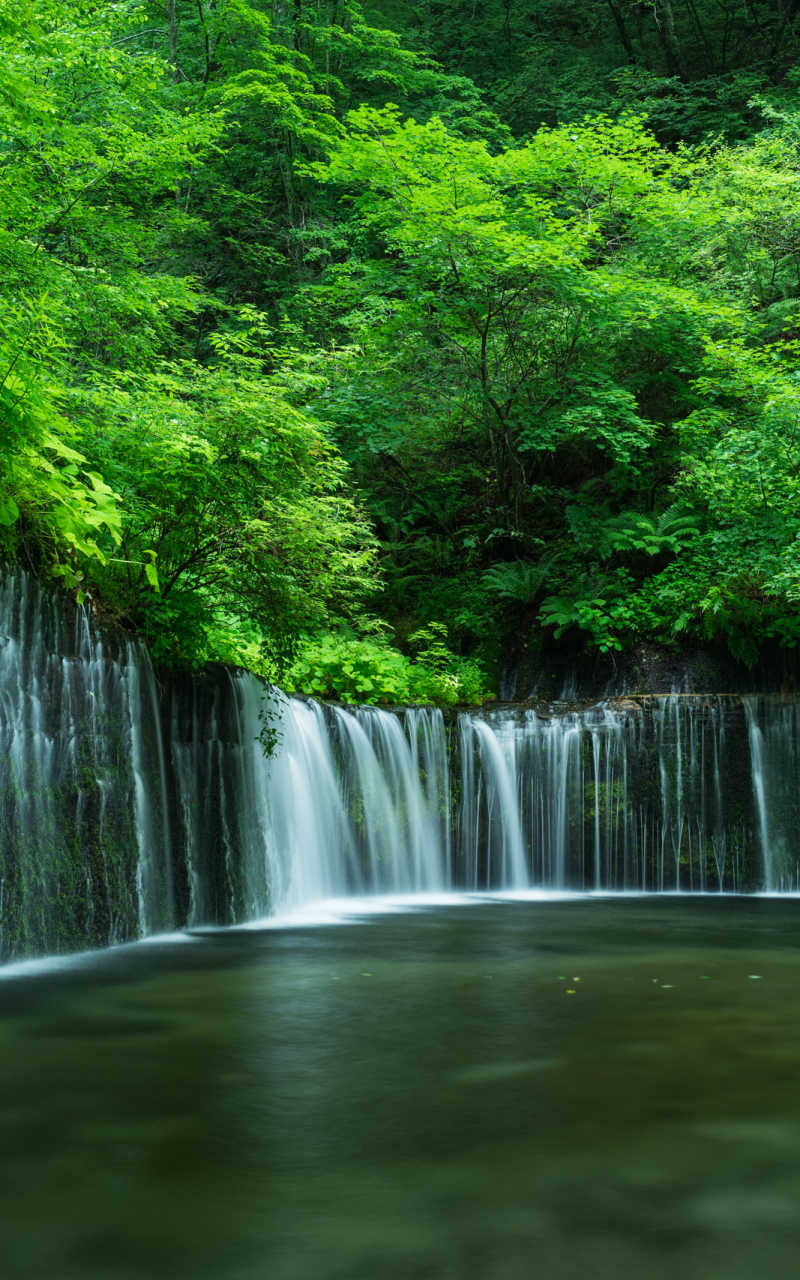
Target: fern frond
{"type": "Point", "coordinates": [518, 581]}
{"type": "Point", "coordinates": [679, 524]}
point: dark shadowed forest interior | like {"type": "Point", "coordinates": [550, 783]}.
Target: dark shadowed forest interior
{"type": "Point", "coordinates": [378, 348]}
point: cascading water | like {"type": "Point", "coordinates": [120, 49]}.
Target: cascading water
{"type": "Point", "coordinates": [129, 807]}
{"type": "Point", "coordinates": [351, 803]}
{"type": "Point", "coordinates": [84, 845]}
{"type": "Point", "coordinates": [773, 728]}
{"type": "Point", "coordinates": [639, 795]}
{"type": "Point", "coordinates": [493, 853]}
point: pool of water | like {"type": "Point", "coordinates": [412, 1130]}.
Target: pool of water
{"type": "Point", "coordinates": [588, 1089]}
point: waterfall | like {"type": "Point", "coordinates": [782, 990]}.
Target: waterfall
{"type": "Point", "coordinates": [396, 830]}
{"type": "Point", "coordinates": [657, 795]}
{"type": "Point", "coordinates": [631, 795]}
{"type": "Point", "coordinates": [353, 802]}
{"type": "Point", "coordinates": [498, 791]}
{"type": "Point", "coordinates": [773, 726]}
{"type": "Point", "coordinates": [305, 811]}
{"type": "Point", "coordinates": [84, 853]}
{"type": "Point", "coordinates": [133, 805]}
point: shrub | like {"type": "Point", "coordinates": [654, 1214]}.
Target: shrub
{"type": "Point", "coordinates": [369, 671]}
{"type": "Point", "coordinates": [350, 671]}
{"type": "Point", "coordinates": [439, 675]}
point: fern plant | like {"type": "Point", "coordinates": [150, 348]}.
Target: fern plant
{"type": "Point", "coordinates": [595, 606]}
{"type": "Point", "coordinates": [635, 531]}
{"type": "Point", "coordinates": [518, 581]}
{"type": "Point", "coordinates": [680, 524]}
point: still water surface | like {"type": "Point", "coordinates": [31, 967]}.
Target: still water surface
{"type": "Point", "coordinates": [414, 1097]}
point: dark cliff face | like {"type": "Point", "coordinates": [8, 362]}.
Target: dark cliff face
{"type": "Point", "coordinates": [565, 671]}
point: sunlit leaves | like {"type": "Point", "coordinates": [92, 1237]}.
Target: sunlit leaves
{"type": "Point", "coordinates": [236, 505]}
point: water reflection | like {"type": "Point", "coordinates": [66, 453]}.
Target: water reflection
{"type": "Point", "coordinates": [414, 1096]}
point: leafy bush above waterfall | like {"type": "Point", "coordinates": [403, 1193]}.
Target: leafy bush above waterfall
{"type": "Point", "coordinates": [369, 671]}
{"type": "Point", "coordinates": [308, 339]}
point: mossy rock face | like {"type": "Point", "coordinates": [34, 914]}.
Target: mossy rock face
{"type": "Point", "coordinates": [75, 778]}
{"type": "Point", "coordinates": [553, 670]}
{"type": "Point", "coordinates": [69, 852]}
{"type": "Point", "coordinates": [122, 800]}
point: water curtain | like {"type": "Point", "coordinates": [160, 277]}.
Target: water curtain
{"type": "Point", "coordinates": [129, 807]}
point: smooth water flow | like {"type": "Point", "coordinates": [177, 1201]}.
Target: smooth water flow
{"type": "Point", "coordinates": [500, 842]}
{"type": "Point", "coordinates": [130, 805]}
{"type": "Point", "coordinates": [84, 841]}
{"type": "Point", "coordinates": [571, 1089]}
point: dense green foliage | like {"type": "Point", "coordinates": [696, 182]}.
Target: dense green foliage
{"type": "Point", "coordinates": [370, 672]}
{"type": "Point", "coordinates": [366, 346]}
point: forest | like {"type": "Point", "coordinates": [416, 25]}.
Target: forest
{"type": "Point", "coordinates": [371, 346]}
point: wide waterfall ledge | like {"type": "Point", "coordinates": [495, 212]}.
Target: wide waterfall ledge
{"type": "Point", "coordinates": [132, 807]}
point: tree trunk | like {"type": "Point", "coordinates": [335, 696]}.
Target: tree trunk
{"type": "Point", "coordinates": [173, 39]}
{"type": "Point", "coordinates": [665, 19]}
{"type": "Point", "coordinates": [707, 45]}
{"type": "Point", "coordinates": [627, 43]}
{"type": "Point", "coordinates": [787, 12]}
